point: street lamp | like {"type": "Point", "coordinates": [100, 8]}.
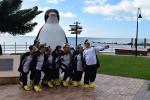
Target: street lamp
{"type": "Point", "coordinates": [136, 39]}
{"type": "Point", "coordinates": [76, 29]}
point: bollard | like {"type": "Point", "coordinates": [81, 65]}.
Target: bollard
{"type": "Point", "coordinates": [0, 49]}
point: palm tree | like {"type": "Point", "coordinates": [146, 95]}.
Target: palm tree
{"type": "Point", "coordinates": [16, 21]}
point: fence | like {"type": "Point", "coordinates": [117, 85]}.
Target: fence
{"type": "Point", "coordinates": [21, 48]}
{"type": "Point", "coordinates": [16, 48]}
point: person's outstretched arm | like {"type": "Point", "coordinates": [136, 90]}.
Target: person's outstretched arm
{"type": "Point", "coordinates": [101, 48]}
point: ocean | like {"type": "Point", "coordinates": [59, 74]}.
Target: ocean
{"type": "Point", "coordinates": [21, 41]}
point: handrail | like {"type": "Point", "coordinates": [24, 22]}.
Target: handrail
{"type": "Point", "coordinates": [14, 48]}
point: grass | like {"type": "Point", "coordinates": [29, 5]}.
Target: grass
{"type": "Point", "coordinates": [128, 66]}
{"type": "Point", "coordinates": [17, 54]}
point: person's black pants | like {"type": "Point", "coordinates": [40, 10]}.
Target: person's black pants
{"type": "Point", "coordinates": [37, 77]}
{"type": "Point", "coordinates": [32, 74]}
{"type": "Point", "coordinates": [56, 73]}
{"type": "Point", "coordinates": [79, 76]}
{"type": "Point", "coordinates": [49, 74]}
{"type": "Point", "coordinates": [74, 74]}
{"type": "Point", "coordinates": [90, 73]}
{"type": "Point", "coordinates": [68, 73]}
{"type": "Point", "coordinates": [24, 78]}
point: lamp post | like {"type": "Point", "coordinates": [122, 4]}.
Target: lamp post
{"type": "Point", "coordinates": [136, 39]}
{"type": "Point", "coordinates": [76, 29]}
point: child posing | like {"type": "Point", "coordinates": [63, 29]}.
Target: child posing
{"type": "Point", "coordinates": [66, 65]}
{"type": "Point", "coordinates": [38, 62]}
{"type": "Point", "coordinates": [24, 67]}
{"type": "Point", "coordinates": [78, 65]}
{"type": "Point", "coordinates": [48, 69]}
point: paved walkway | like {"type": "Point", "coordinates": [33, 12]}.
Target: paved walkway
{"type": "Point", "coordinates": [107, 88]}
{"type": "Point", "coordinates": [143, 93]}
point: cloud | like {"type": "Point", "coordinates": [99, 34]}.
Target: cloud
{"type": "Point", "coordinates": [123, 10]}
{"type": "Point", "coordinates": [34, 0]}
{"type": "Point", "coordinates": [54, 1]}
{"type": "Point", "coordinates": [95, 2]}
{"type": "Point", "coordinates": [68, 14]}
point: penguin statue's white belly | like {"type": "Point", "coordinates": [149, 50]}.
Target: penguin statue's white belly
{"type": "Point", "coordinates": [52, 35]}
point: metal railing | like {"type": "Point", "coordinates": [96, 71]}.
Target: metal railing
{"type": "Point", "coordinates": [21, 48]}
{"type": "Point", "coordinates": [14, 48]}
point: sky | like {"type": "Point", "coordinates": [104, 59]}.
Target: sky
{"type": "Point", "coordinates": [99, 18]}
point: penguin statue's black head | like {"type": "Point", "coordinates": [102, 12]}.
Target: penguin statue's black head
{"type": "Point", "coordinates": [49, 11]}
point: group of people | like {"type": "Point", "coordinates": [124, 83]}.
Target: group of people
{"type": "Point", "coordinates": [63, 66]}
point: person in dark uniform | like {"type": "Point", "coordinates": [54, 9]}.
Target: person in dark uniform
{"type": "Point", "coordinates": [36, 46]}
{"type": "Point", "coordinates": [56, 61]}
{"type": "Point", "coordinates": [66, 65]}
{"type": "Point", "coordinates": [48, 69]}
{"type": "Point", "coordinates": [78, 65]}
{"type": "Point", "coordinates": [24, 67]}
{"type": "Point", "coordinates": [38, 62]}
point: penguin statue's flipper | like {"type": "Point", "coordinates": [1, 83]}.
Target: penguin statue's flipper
{"type": "Point", "coordinates": [37, 37]}
{"type": "Point", "coordinates": [66, 38]}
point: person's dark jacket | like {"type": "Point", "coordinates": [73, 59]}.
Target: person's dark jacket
{"type": "Point", "coordinates": [47, 64]}
{"type": "Point", "coordinates": [74, 60]}
{"type": "Point", "coordinates": [55, 55]}
{"type": "Point", "coordinates": [34, 60]}
{"type": "Point", "coordinates": [22, 61]}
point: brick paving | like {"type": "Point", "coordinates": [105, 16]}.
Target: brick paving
{"type": "Point", "coordinates": [143, 93]}
{"type": "Point", "coordinates": [107, 88]}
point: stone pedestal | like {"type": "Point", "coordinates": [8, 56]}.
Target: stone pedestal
{"type": "Point", "coordinates": [8, 80]}
{"type": "Point", "coordinates": [9, 69]}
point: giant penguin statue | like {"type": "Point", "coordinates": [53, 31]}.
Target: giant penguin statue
{"type": "Point", "coordinates": [51, 32]}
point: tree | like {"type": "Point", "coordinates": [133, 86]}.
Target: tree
{"type": "Point", "coordinates": [16, 21]}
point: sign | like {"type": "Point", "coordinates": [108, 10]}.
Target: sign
{"type": "Point", "coordinates": [75, 32]}
{"type": "Point", "coordinates": [6, 64]}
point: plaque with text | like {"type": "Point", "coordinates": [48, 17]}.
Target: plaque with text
{"type": "Point", "coordinates": [6, 64]}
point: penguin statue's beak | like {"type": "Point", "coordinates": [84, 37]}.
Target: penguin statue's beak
{"type": "Point", "coordinates": [52, 14]}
